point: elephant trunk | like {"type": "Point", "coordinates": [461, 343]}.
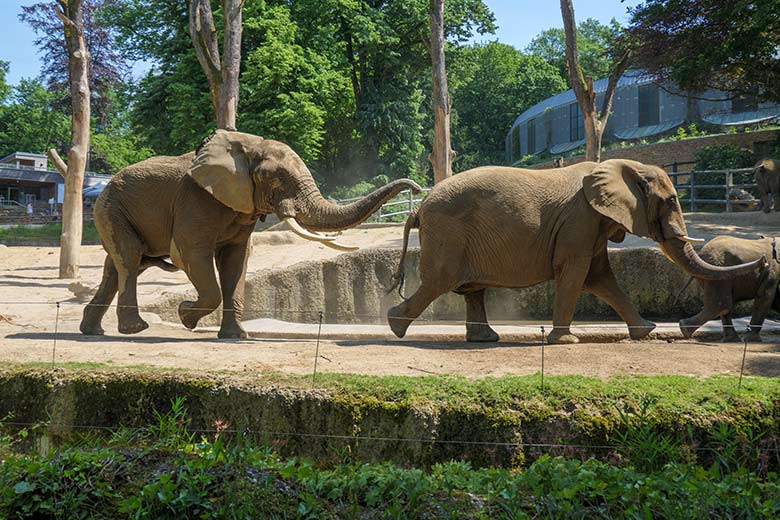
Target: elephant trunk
{"type": "Point", "coordinates": [682, 254]}
{"type": "Point", "coordinates": [316, 213]}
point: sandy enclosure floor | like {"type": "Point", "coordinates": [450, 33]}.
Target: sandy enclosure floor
{"type": "Point", "coordinates": [29, 290]}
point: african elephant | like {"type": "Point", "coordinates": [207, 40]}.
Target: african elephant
{"type": "Point", "coordinates": [199, 209]}
{"type": "Point", "coordinates": [767, 175]}
{"type": "Point", "coordinates": [505, 227]}
{"type": "Point", "coordinates": [721, 295]}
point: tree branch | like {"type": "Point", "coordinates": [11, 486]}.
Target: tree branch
{"type": "Point", "coordinates": [203, 39]}
{"type": "Point", "coordinates": [58, 9]}
{"type": "Point", "coordinates": [620, 67]}
{"type": "Point", "coordinates": [58, 162]}
{"type": "Point", "coordinates": [576, 78]}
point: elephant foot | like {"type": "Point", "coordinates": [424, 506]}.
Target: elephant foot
{"type": "Point", "coordinates": [481, 334]}
{"type": "Point", "coordinates": [91, 329]}
{"type": "Point", "coordinates": [753, 337]}
{"type": "Point", "coordinates": [132, 325]}
{"type": "Point", "coordinates": [562, 337]}
{"type": "Point", "coordinates": [189, 318]}
{"type": "Point", "coordinates": [730, 337]}
{"type": "Point", "coordinates": [766, 210]}
{"type": "Point", "coordinates": [398, 323]}
{"type": "Point", "coordinates": [637, 332]}
{"type": "Point", "coordinates": [234, 331]}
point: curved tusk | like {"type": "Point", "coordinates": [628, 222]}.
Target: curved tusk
{"type": "Point", "coordinates": [308, 235]}
{"type": "Point", "coordinates": [686, 238]}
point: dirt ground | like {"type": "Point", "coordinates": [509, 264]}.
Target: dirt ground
{"type": "Point", "coordinates": [29, 290]}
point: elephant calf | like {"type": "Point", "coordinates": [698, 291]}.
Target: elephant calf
{"type": "Point", "coordinates": [721, 295]}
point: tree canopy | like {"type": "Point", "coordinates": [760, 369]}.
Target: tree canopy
{"type": "Point", "coordinates": [703, 44]}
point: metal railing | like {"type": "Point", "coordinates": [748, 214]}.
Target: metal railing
{"type": "Point", "coordinates": [688, 181]}
{"type": "Point", "coordinates": [405, 199]}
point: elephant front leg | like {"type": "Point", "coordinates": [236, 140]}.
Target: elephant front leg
{"type": "Point", "coordinates": [717, 302]}
{"type": "Point", "coordinates": [569, 279]}
{"type": "Point", "coordinates": [765, 207]}
{"type": "Point", "coordinates": [601, 283]}
{"type": "Point", "coordinates": [200, 271]}
{"type": "Point", "coordinates": [477, 327]}
{"type": "Point", "coordinates": [729, 334]}
{"type": "Point", "coordinates": [231, 264]}
{"type": "Point", "coordinates": [761, 305]}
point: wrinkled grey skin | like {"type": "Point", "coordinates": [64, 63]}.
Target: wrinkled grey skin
{"type": "Point", "coordinates": [154, 210]}
{"type": "Point", "coordinates": [721, 295]}
{"type": "Point", "coordinates": [508, 227]}
{"type": "Point", "coordinates": [767, 175]}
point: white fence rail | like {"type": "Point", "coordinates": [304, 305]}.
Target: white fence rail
{"type": "Point", "coordinates": [694, 180]}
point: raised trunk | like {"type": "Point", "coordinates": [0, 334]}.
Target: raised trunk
{"type": "Point", "coordinates": [682, 254]}
{"type": "Point", "coordinates": [315, 213]}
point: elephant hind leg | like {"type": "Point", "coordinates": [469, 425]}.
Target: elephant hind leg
{"type": "Point", "coordinates": [201, 274]}
{"type": "Point", "coordinates": [718, 301]}
{"type": "Point", "coordinates": [477, 327]}
{"type": "Point", "coordinates": [96, 309]}
{"type": "Point", "coordinates": [126, 250]}
{"type": "Point", "coordinates": [401, 316]}
{"type": "Point", "coordinates": [729, 334]}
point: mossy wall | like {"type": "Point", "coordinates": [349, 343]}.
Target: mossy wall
{"type": "Point", "coordinates": [351, 288]}
{"type": "Point", "coordinates": [483, 421]}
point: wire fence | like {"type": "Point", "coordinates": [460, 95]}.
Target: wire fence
{"type": "Point", "coordinates": [536, 333]}
{"type": "Point", "coordinates": [267, 434]}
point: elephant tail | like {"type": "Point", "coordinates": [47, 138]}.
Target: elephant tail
{"type": "Point", "coordinates": [412, 222]}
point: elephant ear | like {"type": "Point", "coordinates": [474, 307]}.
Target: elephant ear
{"type": "Point", "coordinates": [222, 167]}
{"type": "Point", "coordinates": [617, 190]}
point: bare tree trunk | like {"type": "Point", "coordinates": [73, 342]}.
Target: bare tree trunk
{"type": "Point", "coordinates": [69, 11]}
{"type": "Point", "coordinates": [442, 155]}
{"type": "Point", "coordinates": [222, 75]}
{"type": "Point", "coordinates": [583, 86]}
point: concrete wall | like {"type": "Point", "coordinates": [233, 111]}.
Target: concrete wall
{"type": "Point", "coordinates": [351, 289]}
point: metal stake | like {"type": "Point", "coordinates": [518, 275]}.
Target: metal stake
{"type": "Point", "coordinates": [316, 352]}
{"type": "Point", "coordinates": [544, 340]}
{"type": "Point", "coordinates": [744, 355]}
{"type": "Point", "coordinates": [56, 326]}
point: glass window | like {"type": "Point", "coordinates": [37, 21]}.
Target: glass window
{"type": "Point", "coordinates": [531, 136]}
{"type": "Point", "coordinates": [576, 125]}
{"type": "Point", "coordinates": [648, 105]}
{"type": "Point", "coordinates": [744, 104]}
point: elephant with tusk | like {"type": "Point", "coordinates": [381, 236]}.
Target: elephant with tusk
{"type": "Point", "coordinates": [507, 227]}
{"type": "Point", "coordinates": [199, 209]}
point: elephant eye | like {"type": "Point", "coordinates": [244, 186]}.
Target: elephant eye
{"type": "Point", "coordinates": [672, 200]}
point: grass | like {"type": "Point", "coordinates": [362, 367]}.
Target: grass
{"type": "Point", "coordinates": [48, 232]}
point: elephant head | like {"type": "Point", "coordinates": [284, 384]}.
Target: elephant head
{"type": "Point", "coordinates": [257, 176]}
{"type": "Point", "coordinates": [643, 201]}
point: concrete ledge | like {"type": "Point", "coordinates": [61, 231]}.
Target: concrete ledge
{"type": "Point", "coordinates": [351, 289]}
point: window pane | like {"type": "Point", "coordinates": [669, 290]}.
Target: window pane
{"type": "Point", "coordinates": [532, 136]}
{"type": "Point", "coordinates": [648, 105]}
{"type": "Point", "coordinates": [576, 125]}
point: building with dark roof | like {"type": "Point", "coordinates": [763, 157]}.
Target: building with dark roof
{"type": "Point", "coordinates": [641, 108]}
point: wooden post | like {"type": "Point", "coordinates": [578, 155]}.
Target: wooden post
{"type": "Point", "coordinates": [70, 12]}
{"type": "Point", "coordinates": [693, 190]}
{"type": "Point", "coordinates": [729, 185]}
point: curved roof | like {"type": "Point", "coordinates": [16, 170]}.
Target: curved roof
{"type": "Point", "coordinates": [632, 77]}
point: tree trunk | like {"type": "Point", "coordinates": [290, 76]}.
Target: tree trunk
{"type": "Point", "coordinates": [442, 155]}
{"type": "Point", "coordinates": [594, 122]}
{"type": "Point", "coordinates": [222, 75]}
{"type": "Point", "coordinates": [70, 12]}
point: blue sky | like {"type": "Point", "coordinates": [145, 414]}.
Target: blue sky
{"type": "Point", "coordinates": [518, 22]}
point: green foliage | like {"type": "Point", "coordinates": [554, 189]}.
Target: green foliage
{"type": "Point", "coordinates": [594, 41]}
{"type": "Point", "coordinates": [723, 156]}
{"type": "Point", "coordinates": [491, 85]}
{"type": "Point", "coordinates": [29, 122]}
{"type": "Point", "coordinates": [702, 44]}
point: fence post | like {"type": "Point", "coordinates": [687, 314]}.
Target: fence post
{"type": "Point", "coordinates": [411, 201]}
{"type": "Point", "coordinates": [693, 190]}
{"type": "Point", "coordinates": [379, 215]}
{"type": "Point", "coordinates": [729, 185]}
